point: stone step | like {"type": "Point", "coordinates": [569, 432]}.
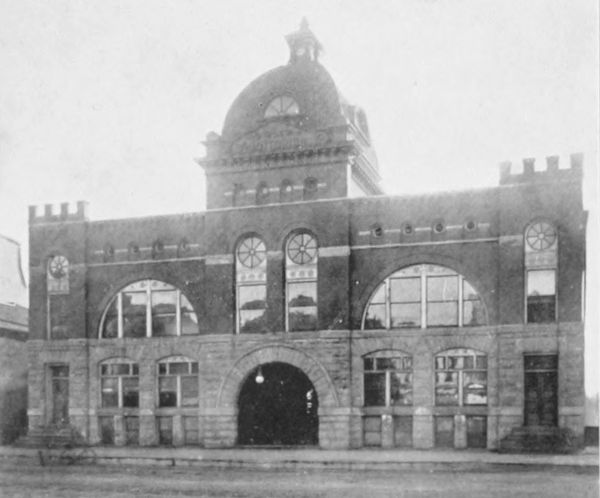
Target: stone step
{"type": "Point", "coordinates": [539, 439]}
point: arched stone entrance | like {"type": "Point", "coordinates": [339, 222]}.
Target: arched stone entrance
{"type": "Point", "coordinates": [278, 405]}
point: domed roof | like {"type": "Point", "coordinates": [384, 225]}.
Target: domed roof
{"type": "Point", "coordinates": [318, 103]}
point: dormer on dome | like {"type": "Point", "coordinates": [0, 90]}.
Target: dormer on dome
{"type": "Point", "coordinates": [303, 44]}
{"type": "Point", "coordinates": [289, 124]}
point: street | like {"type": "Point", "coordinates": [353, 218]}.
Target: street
{"type": "Point", "coordinates": [24, 480]}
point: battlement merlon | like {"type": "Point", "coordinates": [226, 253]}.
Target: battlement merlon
{"type": "Point", "coordinates": [58, 213]}
{"type": "Point", "coordinates": [552, 172]}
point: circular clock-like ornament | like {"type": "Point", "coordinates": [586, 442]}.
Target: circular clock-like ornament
{"type": "Point", "coordinates": [58, 266]}
{"type": "Point", "coordinates": [302, 248]}
{"type": "Point", "coordinates": [540, 236]}
{"type": "Point", "coordinates": [251, 252]}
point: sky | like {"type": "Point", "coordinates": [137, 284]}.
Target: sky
{"type": "Point", "coordinates": [109, 101]}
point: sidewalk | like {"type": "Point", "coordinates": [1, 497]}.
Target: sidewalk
{"type": "Point", "coordinates": [368, 459]}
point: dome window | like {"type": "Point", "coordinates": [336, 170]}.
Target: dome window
{"type": "Point", "coordinates": [282, 106]}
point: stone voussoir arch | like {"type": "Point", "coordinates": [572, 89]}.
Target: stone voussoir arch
{"type": "Point", "coordinates": [316, 373]}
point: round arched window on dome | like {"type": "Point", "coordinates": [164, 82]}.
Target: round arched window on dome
{"type": "Point", "coordinates": [282, 106]}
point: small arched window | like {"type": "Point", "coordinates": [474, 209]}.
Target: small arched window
{"type": "Point", "coordinates": [311, 187]}
{"type": "Point", "coordinates": [286, 191]}
{"type": "Point", "coordinates": [282, 106]}
{"type": "Point", "coordinates": [148, 308]}
{"type": "Point", "coordinates": [388, 378]}
{"type": "Point", "coordinates": [251, 285]}
{"type": "Point", "coordinates": [424, 296]}
{"type": "Point", "coordinates": [301, 258]}
{"type": "Point", "coordinates": [119, 383]}
{"type": "Point", "coordinates": [460, 378]}
{"type": "Point", "coordinates": [177, 382]}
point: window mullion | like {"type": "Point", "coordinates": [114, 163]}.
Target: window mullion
{"type": "Point", "coordinates": [388, 303]}
{"type": "Point", "coordinates": [120, 314]}
{"type": "Point", "coordinates": [388, 390]}
{"type": "Point", "coordinates": [423, 300]}
{"type": "Point", "coordinates": [460, 301]}
{"type": "Point", "coordinates": [460, 387]}
{"type": "Point", "coordinates": [178, 312]}
{"type": "Point", "coordinates": [148, 312]}
{"type": "Point", "coordinates": [120, 391]}
{"type": "Point", "coordinates": [178, 394]}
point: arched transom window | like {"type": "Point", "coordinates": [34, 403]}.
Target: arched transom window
{"type": "Point", "coordinates": [251, 284]}
{"type": "Point", "coordinates": [301, 281]}
{"type": "Point", "coordinates": [424, 296]}
{"type": "Point", "coordinates": [282, 106]}
{"type": "Point", "coordinates": [461, 378]}
{"type": "Point", "coordinates": [149, 308]}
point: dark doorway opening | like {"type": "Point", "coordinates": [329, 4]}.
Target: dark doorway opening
{"type": "Point", "coordinates": [278, 406]}
{"type": "Point", "coordinates": [541, 390]}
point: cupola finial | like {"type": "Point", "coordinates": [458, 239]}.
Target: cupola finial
{"type": "Point", "coordinates": [303, 44]}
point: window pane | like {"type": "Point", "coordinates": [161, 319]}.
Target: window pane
{"type": "Point", "coordinates": [456, 362]}
{"type": "Point", "coordinates": [473, 313]}
{"type": "Point", "coordinates": [302, 318]}
{"type": "Point", "coordinates": [164, 325]}
{"type": "Point", "coordinates": [185, 305]}
{"type": "Point", "coordinates": [302, 294]}
{"type": "Point", "coordinates": [389, 363]}
{"type": "Point", "coordinates": [189, 391]}
{"type": "Point", "coordinates": [442, 288]}
{"type": "Point", "coordinates": [541, 309]}
{"type": "Point", "coordinates": [253, 321]}
{"type": "Point", "coordinates": [111, 321]}
{"type": "Point", "coordinates": [405, 315]}
{"type": "Point", "coordinates": [120, 368]}
{"type": "Point", "coordinates": [375, 318]}
{"type": "Point", "coordinates": [110, 392]}
{"type": "Point", "coordinates": [189, 323]}
{"type": "Point", "coordinates": [540, 283]}
{"type": "Point", "coordinates": [405, 290]}
{"type": "Point", "coordinates": [379, 296]}
{"type": "Point", "coordinates": [475, 388]}
{"type": "Point", "coordinates": [541, 362]}
{"type": "Point", "coordinates": [446, 388]}
{"type": "Point", "coordinates": [167, 391]}
{"type": "Point", "coordinates": [130, 392]}
{"type": "Point", "coordinates": [481, 362]}
{"type": "Point", "coordinates": [401, 388]}
{"type": "Point", "coordinates": [369, 364]}
{"type": "Point", "coordinates": [179, 368]}
{"type": "Point", "coordinates": [468, 291]}
{"type": "Point", "coordinates": [375, 389]}
{"type": "Point", "coordinates": [134, 314]}
{"type": "Point", "coordinates": [252, 297]}
{"type": "Point", "coordinates": [442, 314]}
{"type": "Point", "coordinates": [162, 368]}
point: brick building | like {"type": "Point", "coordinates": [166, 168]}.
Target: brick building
{"type": "Point", "coordinates": [306, 307]}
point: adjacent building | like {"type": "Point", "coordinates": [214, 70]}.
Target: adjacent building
{"type": "Point", "coordinates": [304, 306]}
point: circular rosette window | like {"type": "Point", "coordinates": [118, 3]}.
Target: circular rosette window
{"type": "Point", "coordinates": [58, 266]}
{"type": "Point", "coordinates": [251, 252]}
{"type": "Point", "coordinates": [302, 248]}
{"type": "Point", "coordinates": [540, 236]}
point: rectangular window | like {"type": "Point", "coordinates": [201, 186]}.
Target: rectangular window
{"type": "Point", "coordinates": [403, 429]}
{"type": "Point", "coordinates": [107, 431]}
{"type": "Point", "coordinates": [110, 392]}
{"type": "Point", "coordinates": [400, 388]}
{"type": "Point", "coordinates": [132, 431]}
{"type": "Point", "coordinates": [189, 320]}
{"type": "Point", "coordinates": [190, 430]}
{"type": "Point", "coordinates": [252, 301]}
{"type": "Point", "coordinates": [444, 432]}
{"type": "Point", "coordinates": [189, 391]}
{"type": "Point", "coordinates": [476, 432]}
{"type": "Point", "coordinates": [165, 430]}
{"type": "Point", "coordinates": [473, 310]}
{"type": "Point", "coordinates": [302, 306]}
{"type": "Point", "coordinates": [474, 388]}
{"type": "Point", "coordinates": [541, 296]}
{"type": "Point", "coordinates": [372, 430]}
{"type": "Point", "coordinates": [131, 392]}
{"type": "Point", "coordinates": [405, 302]}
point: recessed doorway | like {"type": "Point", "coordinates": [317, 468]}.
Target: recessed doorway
{"type": "Point", "coordinates": [278, 406]}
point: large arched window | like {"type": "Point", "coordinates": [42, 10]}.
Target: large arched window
{"type": "Point", "coordinates": [149, 308]}
{"type": "Point", "coordinates": [424, 296]}
{"type": "Point", "coordinates": [282, 106]}
{"type": "Point", "coordinates": [301, 258]}
{"type": "Point", "coordinates": [119, 383]}
{"type": "Point", "coordinates": [460, 378]}
{"type": "Point", "coordinates": [541, 258]}
{"type": "Point", "coordinates": [251, 284]}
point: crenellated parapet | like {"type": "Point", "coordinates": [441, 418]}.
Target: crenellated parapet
{"type": "Point", "coordinates": [552, 172]}
{"type": "Point", "coordinates": [58, 213]}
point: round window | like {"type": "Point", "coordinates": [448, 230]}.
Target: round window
{"type": "Point", "coordinates": [540, 236]}
{"type": "Point", "coordinates": [302, 248]}
{"type": "Point", "coordinates": [251, 252]}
